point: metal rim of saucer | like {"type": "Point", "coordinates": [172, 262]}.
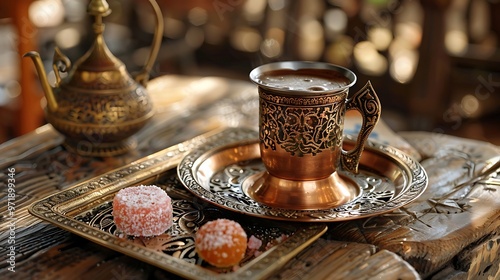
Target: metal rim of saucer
{"type": "Point", "coordinates": [211, 172]}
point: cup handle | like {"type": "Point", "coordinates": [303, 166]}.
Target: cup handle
{"type": "Point", "coordinates": [367, 103]}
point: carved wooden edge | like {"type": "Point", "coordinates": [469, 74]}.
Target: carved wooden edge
{"type": "Point", "coordinates": [430, 256]}
{"type": "Point", "coordinates": [419, 253]}
{"type": "Point", "coordinates": [327, 259]}
{"type": "Point", "coordinates": [479, 261]}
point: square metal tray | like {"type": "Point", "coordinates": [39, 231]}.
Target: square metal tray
{"type": "Point", "coordinates": [85, 209]}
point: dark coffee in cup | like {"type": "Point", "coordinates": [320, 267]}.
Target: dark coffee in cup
{"type": "Point", "coordinates": [303, 80]}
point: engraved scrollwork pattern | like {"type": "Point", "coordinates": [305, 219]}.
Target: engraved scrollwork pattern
{"type": "Point", "coordinates": [177, 241]}
{"type": "Point", "coordinates": [301, 126]}
{"type": "Point", "coordinates": [105, 109]}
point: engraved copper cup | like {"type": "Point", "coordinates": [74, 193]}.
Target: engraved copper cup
{"type": "Point", "coordinates": [302, 107]}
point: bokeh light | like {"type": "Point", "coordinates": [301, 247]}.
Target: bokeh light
{"type": "Point", "coordinates": [381, 37]}
{"type": "Point", "coordinates": [368, 59]}
{"type": "Point", "coordinates": [340, 51]}
{"type": "Point", "coordinates": [197, 16]}
{"type": "Point", "coordinates": [253, 11]}
{"type": "Point", "coordinates": [246, 39]}
{"type": "Point", "coordinates": [46, 13]}
{"type": "Point", "coordinates": [470, 105]}
{"type": "Point", "coordinates": [456, 42]}
{"type": "Point", "coordinates": [311, 40]}
{"type": "Point", "coordinates": [67, 38]}
{"type": "Point", "coordinates": [403, 66]}
{"type": "Point", "coordinates": [409, 32]}
{"type": "Point", "coordinates": [335, 21]}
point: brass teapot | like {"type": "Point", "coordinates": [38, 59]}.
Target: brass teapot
{"type": "Point", "coordinates": [98, 106]}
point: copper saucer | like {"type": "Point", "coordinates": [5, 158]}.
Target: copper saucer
{"type": "Point", "coordinates": [325, 193]}
{"type": "Point", "coordinates": [224, 173]}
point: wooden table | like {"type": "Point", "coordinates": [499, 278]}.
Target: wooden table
{"type": "Point", "coordinates": [448, 233]}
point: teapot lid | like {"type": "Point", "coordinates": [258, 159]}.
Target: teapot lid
{"type": "Point", "coordinates": [98, 68]}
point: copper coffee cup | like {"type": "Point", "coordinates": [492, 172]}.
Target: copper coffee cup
{"type": "Point", "coordinates": [301, 118]}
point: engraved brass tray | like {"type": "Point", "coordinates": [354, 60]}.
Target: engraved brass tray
{"type": "Point", "coordinates": [216, 172]}
{"type": "Point", "coordinates": [85, 209]}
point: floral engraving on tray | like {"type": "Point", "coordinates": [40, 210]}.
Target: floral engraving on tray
{"type": "Point", "coordinates": [189, 214]}
{"type": "Point", "coordinates": [376, 190]}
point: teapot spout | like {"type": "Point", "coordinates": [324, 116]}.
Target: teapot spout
{"type": "Point", "coordinates": [48, 90]}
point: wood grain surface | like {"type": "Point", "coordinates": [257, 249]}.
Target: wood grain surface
{"type": "Point", "coordinates": [448, 233]}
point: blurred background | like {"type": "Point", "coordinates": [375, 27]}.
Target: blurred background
{"type": "Point", "coordinates": [434, 64]}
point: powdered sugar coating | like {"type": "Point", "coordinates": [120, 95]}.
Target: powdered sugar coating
{"type": "Point", "coordinates": [221, 242]}
{"type": "Point", "coordinates": [254, 243]}
{"type": "Point", "coordinates": [142, 210]}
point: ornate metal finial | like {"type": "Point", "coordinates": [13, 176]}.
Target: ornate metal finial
{"type": "Point", "coordinates": [99, 8]}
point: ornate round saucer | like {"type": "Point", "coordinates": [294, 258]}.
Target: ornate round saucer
{"type": "Point", "coordinates": [217, 173]}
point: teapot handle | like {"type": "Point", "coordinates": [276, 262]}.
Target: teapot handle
{"type": "Point", "coordinates": [60, 64]}
{"type": "Point", "coordinates": [143, 76]}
